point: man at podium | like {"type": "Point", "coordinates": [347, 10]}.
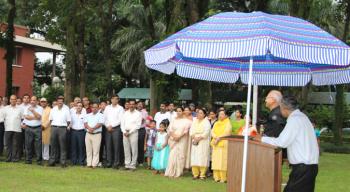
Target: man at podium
{"type": "Point", "coordinates": [303, 153]}
{"type": "Point", "coordinates": [275, 122]}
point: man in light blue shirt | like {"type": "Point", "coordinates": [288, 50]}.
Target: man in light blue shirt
{"type": "Point", "coordinates": [32, 127]}
{"type": "Point", "coordinates": [93, 124]}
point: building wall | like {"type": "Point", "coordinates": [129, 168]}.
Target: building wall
{"type": "Point", "coordinates": [23, 73]}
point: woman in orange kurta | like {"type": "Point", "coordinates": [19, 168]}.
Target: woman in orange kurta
{"type": "Point", "coordinates": [46, 128]}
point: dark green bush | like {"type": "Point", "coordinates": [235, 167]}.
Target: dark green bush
{"type": "Point", "coordinates": [331, 148]}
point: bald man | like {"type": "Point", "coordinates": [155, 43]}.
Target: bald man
{"type": "Point", "coordinates": [275, 122]}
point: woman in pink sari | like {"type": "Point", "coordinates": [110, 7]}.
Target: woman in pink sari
{"type": "Point", "coordinates": [178, 142]}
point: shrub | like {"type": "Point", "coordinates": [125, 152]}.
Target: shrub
{"type": "Point", "coordinates": [331, 148]}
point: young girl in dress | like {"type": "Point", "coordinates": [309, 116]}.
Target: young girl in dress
{"type": "Point", "coordinates": [161, 149]}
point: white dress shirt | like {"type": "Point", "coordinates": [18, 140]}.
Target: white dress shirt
{"type": "Point", "coordinates": [159, 117]}
{"type": "Point", "coordinates": [172, 115]}
{"type": "Point", "coordinates": [60, 117]}
{"type": "Point", "coordinates": [74, 110]}
{"type": "Point", "coordinates": [131, 121]}
{"type": "Point", "coordinates": [34, 122]}
{"type": "Point", "coordinates": [12, 118]}
{"type": "Point", "coordinates": [299, 138]}
{"type": "Point", "coordinates": [144, 115]}
{"type": "Point", "coordinates": [24, 106]}
{"type": "Point", "coordinates": [93, 119]}
{"type": "Point", "coordinates": [1, 113]}
{"type": "Point", "coordinates": [113, 115]}
{"type": "Point", "coordinates": [77, 120]}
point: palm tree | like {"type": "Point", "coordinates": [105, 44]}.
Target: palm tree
{"type": "Point", "coordinates": [133, 40]}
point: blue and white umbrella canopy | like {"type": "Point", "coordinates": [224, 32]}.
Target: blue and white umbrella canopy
{"type": "Point", "coordinates": [258, 48]}
{"type": "Point", "coordinates": [287, 51]}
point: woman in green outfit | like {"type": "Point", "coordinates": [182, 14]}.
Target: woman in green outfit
{"type": "Point", "coordinates": [238, 122]}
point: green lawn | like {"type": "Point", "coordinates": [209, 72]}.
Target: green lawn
{"type": "Point", "coordinates": [334, 171]}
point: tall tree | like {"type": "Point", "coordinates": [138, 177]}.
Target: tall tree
{"type": "Point", "coordinates": [201, 90]}
{"type": "Point", "coordinates": [10, 45]}
{"type": "Point", "coordinates": [339, 102]}
{"type": "Point", "coordinates": [81, 46]}
{"type": "Point", "coordinates": [107, 27]}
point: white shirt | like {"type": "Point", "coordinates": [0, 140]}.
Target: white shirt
{"type": "Point", "coordinates": [113, 115]}
{"type": "Point", "coordinates": [172, 115]}
{"type": "Point", "coordinates": [74, 110]}
{"type": "Point", "coordinates": [34, 122]}
{"type": "Point", "coordinates": [77, 120]}
{"type": "Point", "coordinates": [144, 115]}
{"type": "Point", "coordinates": [1, 113]}
{"type": "Point", "coordinates": [93, 119]}
{"type": "Point", "coordinates": [131, 121]}
{"type": "Point", "coordinates": [12, 118]}
{"type": "Point", "coordinates": [60, 117]}
{"type": "Point", "coordinates": [159, 117]}
{"type": "Point", "coordinates": [299, 138]}
{"type": "Point", "coordinates": [24, 106]}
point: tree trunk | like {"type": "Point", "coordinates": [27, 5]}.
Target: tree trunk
{"type": "Point", "coordinates": [262, 5]}
{"type": "Point", "coordinates": [155, 91]}
{"type": "Point", "coordinates": [106, 26]}
{"type": "Point", "coordinates": [192, 11]}
{"type": "Point", "coordinates": [300, 8]}
{"type": "Point", "coordinates": [338, 115]}
{"type": "Point", "coordinates": [339, 105]}
{"type": "Point", "coordinates": [81, 49]}
{"type": "Point", "coordinates": [175, 20]}
{"type": "Point", "coordinates": [147, 6]}
{"type": "Point", "coordinates": [10, 46]}
{"type": "Point", "coordinates": [70, 63]}
{"type": "Point", "coordinates": [201, 90]}
{"type": "Point", "coordinates": [153, 95]}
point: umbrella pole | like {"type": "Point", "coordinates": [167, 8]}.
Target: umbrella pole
{"type": "Point", "coordinates": [245, 149]}
{"type": "Point", "coordinates": [255, 105]}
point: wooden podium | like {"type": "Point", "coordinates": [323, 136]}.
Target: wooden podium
{"type": "Point", "coordinates": [264, 166]}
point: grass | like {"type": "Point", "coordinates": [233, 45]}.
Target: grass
{"type": "Point", "coordinates": [334, 171]}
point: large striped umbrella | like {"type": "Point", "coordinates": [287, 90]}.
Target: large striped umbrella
{"type": "Point", "coordinates": [258, 48]}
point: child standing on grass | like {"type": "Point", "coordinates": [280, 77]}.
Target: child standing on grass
{"type": "Point", "coordinates": [161, 149]}
{"type": "Point", "coordinates": [150, 140]}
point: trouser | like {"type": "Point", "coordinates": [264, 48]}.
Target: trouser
{"type": "Point", "coordinates": [103, 152]}
{"type": "Point", "coordinates": [114, 146]}
{"type": "Point", "coordinates": [302, 178]}
{"type": "Point", "coordinates": [199, 171]}
{"type": "Point", "coordinates": [58, 143]}
{"type": "Point", "coordinates": [2, 132]}
{"type": "Point", "coordinates": [68, 144]}
{"type": "Point", "coordinates": [46, 151]}
{"type": "Point", "coordinates": [22, 146]}
{"type": "Point", "coordinates": [93, 143]}
{"type": "Point", "coordinates": [13, 145]}
{"type": "Point", "coordinates": [33, 138]}
{"type": "Point", "coordinates": [220, 175]}
{"type": "Point", "coordinates": [141, 145]}
{"type": "Point", "coordinates": [77, 147]}
{"type": "Point", "coordinates": [130, 150]}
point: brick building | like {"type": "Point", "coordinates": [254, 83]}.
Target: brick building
{"type": "Point", "coordinates": [23, 65]}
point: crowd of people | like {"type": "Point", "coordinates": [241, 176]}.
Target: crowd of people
{"type": "Point", "coordinates": [176, 139]}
